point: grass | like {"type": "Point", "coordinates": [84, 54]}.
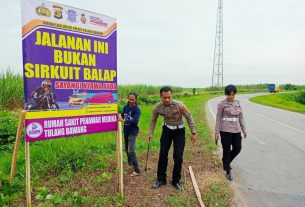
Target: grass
{"type": "Point", "coordinates": [11, 90]}
{"type": "Point", "coordinates": [282, 100]}
{"type": "Point", "coordinates": [177, 200]}
{"type": "Point", "coordinates": [217, 194]}
{"type": "Point", "coordinates": [196, 106]}
{"type": "Point", "coordinates": [62, 160]}
{"type": "Point", "coordinates": [59, 163]}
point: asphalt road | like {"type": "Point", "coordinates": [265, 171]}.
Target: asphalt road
{"type": "Point", "coordinates": [270, 170]}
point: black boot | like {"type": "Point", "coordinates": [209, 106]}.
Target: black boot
{"type": "Point", "coordinates": [229, 175]}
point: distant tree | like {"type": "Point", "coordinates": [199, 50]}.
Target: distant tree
{"type": "Point", "coordinates": [289, 87]}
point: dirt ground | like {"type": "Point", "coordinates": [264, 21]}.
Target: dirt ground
{"type": "Point", "coordinates": [138, 189]}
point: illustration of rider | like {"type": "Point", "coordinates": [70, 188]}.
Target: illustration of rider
{"type": "Point", "coordinates": [43, 98]}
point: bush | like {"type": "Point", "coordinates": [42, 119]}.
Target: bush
{"type": "Point", "coordinates": [148, 100]}
{"type": "Point", "coordinates": [290, 87]}
{"type": "Point", "coordinates": [8, 128]}
{"type": "Point", "coordinates": [9, 191]}
{"type": "Point", "coordinates": [300, 97]}
{"type": "Point", "coordinates": [142, 99]}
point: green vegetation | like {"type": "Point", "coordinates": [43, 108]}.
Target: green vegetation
{"type": "Point", "coordinates": [60, 162]}
{"type": "Point", "coordinates": [142, 89]}
{"type": "Point", "coordinates": [60, 166]}
{"type": "Point", "coordinates": [178, 200]}
{"type": "Point", "coordinates": [300, 97]}
{"type": "Point", "coordinates": [80, 171]}
{"type": "Point", "coordinates": [253, 88]}
{"type": "Point", "coordinates": [8, 126]}
{"type": "Point", "coordinates": [11, 90]}
{"type": "Point", "coordinates": [291, 87]}
{"type": "Point", "coordinates": [294, 101]}
{"type": "Point", "coordinates": [218, 194]}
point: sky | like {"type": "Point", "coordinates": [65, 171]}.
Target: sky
{"type": "Point", "coordinates": [172, 42]}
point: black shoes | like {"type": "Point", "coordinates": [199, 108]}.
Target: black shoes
{"type": "Point", "coordinates": [176, 185]}
{"type": "Point", "coordinates": [158, 184]}
{"type": "Point", "coordinates": [229, 175]}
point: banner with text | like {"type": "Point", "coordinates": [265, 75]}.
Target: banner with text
{"type": "Point", "coordinates": [69, 70]}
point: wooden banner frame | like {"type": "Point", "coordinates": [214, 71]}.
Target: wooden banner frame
{"type": "Point", "coordinates": [21, 125]}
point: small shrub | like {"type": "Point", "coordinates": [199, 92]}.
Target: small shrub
{"type": "Point", "coordinates": [103, 177]}
{"type": "Point", "coordinates": [9, 192]}
{"type": "Point", "coordinates": [8, 128]}
{"type": "Point", "coordinates": [148, 100]}
{"type": "Point", "coordinates": [300, 97]}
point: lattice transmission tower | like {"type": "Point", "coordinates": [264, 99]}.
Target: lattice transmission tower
{"type": "Point", "coordinates": [217, 77]}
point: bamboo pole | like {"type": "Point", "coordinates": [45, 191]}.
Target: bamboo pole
{"type": "Point", "coordinates": [28, 174]}
{"type": "Point", "coordinates": [120, 153]}
{"type": "Point", "coordinates": [119, 157]}
{"type": "Point", "coordinates": [197, 191]}
{"type": "Point", "coordinates": [16, 146]}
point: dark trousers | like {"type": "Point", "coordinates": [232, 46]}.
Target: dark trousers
{"type": "Point", "coordinates": [168, 136]}
{"type": "Point", "coordinates": [227, 140]}
{"type": "Point", "coordinates": [130, 148]}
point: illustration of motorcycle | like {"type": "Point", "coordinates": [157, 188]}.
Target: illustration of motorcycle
{"type": "Point", "coordinates": [43, 102]}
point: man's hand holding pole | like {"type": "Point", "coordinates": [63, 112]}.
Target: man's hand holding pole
{"type": "Point", "coordinates": [120, 118]}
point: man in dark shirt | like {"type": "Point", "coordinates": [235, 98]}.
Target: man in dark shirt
{"type": "Point", "coordinates": [130, 116]}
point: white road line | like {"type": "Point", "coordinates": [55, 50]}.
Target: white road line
{"type": "Point", "coordinates": [279, 122]}
{"type": "Point", "coordinates": [211, 110]}
{"type": "Point", "coordinates": [258, 139]}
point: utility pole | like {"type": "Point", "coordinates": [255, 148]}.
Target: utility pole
{"type": "Point", "coordinates": [217, 77]}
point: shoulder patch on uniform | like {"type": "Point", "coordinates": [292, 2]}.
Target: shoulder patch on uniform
{"type": "Point", "coordinates": [183, 109]}
{"type": "Point", "coordinates": [220, 106]}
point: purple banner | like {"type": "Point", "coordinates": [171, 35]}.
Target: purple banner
{"type": "Point", "coordinates": [69, 70]}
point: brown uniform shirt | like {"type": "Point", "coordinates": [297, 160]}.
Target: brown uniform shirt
{"type": "Point", "coordinates": [172, 115]}
{"type": "Point", "coordinates": [230, 117]}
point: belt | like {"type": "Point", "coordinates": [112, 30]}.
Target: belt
{"type": "Point", "coordinates": [230, 119]}
{"type": "Point", "coordinates": [174, 127]}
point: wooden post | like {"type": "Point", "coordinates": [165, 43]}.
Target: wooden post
{"type": "Point", "coordinates": [17, 143]}
{"type": "Point", "coordinates": [117, 147]}
{"type": "Point", "coordinates": [28, 174]}
{"type": "Point", "coordinates": [120, 157]}
{"type": "Point", "coordinates": [196, 187]}
{"type": "Point", "coordinates": [118, 154]}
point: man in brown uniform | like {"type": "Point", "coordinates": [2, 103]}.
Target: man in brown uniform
{"type": "Point", "coordinates": [172, 130]}
{"type": "Point", "coordinates": [229, 124]}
